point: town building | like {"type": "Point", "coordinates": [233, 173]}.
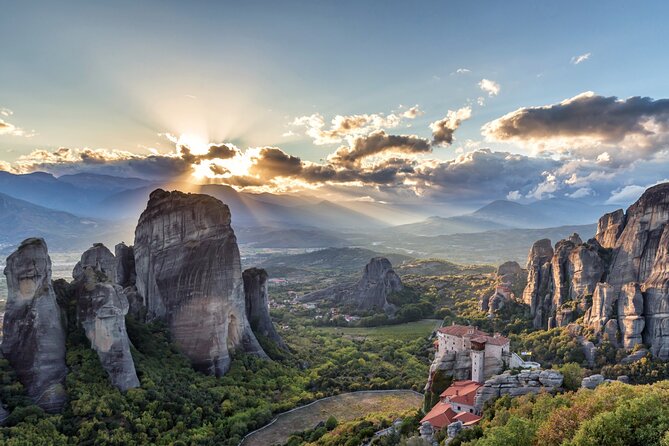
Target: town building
{"type": "Point", "coordinates": [489, 354]}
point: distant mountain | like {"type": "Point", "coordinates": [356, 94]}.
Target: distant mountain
{"type": "Point", "coordinates": [253, 209]}
{"type": "Point", "coordinates": [504, 214]}
{"type": "Point", "coordinates": [61, 230]}
{"type": "Point", "coordinates": [289, 238]}
{"type": "Point", "coordinates": [489, 247]}
{"type": "Point", "coordinates": [105, 184]}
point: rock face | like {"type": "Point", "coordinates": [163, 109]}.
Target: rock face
{"type": "Point", "coordinates": [33, 331]}
{"type": "Point", "coordinates": [101, 310]}
{"type": "Point", "coordinates": [510, 276]}
{"type": "Point", "coordinates": [378, 280]}
{"type": "Point", "coordinates": [189, 275]}
{"type": "Point", "coordinates": [624, 270]}
{"type": "Point", "coordinates": [257, 305]}
{"type": "Point", "coordinates": [592, 381]}
{"type": "Point", "coordinates": [125, 265]}
{"type": "Point", "coordinates": [527, 381]}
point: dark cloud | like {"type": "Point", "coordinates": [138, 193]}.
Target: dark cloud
{"type": "Point", "coordinates": [599, 118]}
{"type": "Point", "coordinates": [273, 162]}
{"type": "Point", "coordinates": [216, 151]}
{"type": "Point", "coordinates": [376, 143]}
{"type": "Point", "coordinates": [442, 130]}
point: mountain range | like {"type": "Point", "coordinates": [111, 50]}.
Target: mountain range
{"type": "Point", "coordinates": [72, 211]}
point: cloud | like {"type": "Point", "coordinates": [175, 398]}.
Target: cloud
{"type": "Point", "coordinates": [579, 59]}
{"type": "Point", "coordinates": [462, 71]}
{"type": "Point", "coordinates": [376, 143]}
{"type": "Point", "coordinates": [412, 112]}
{"type": "Point", "coordinates": [490, 87]}
{"type": "Point", "coordinates": [589, 125]}
{"type": "Point", "coordinates": [9, 129]}
{"type": "Point", "coordinates": [6, 112]}
{"type": "Point", "coordinates": [349, 126]}
{"type": "Point", "coordinates": [442, 130]}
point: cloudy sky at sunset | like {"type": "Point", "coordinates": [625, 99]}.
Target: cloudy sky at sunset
{"type": "Point", "coordinates": [439, 101]}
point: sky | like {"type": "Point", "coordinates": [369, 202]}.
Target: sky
{"type": "Point", "coordinates": [437, 101]}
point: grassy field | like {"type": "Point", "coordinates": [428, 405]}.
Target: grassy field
{"type": "Point", "coordinates": [408, 331]}
{"type": "Point", "coordinates": [345, 407]}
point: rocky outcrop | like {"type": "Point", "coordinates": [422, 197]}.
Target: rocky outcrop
{"type": "Point", "coordinates": [537, 293]}
{"type": "Point", "coordinates": [101, 310]}
{"type": "Point", "coordinates": [99, 258]}
{"type": "Point", "coordinates": [456, 365]}
{"type": "Point", "coordinates": [527, 381]}
{"type": "Point", "coordinates": [624, 271]}
{"type": "Point", "coordinates": [257, 305]}
{"type": "Point", "coordinates": [33, 331]}
{"type": "Point", "coordinates": [378, 281]}
{"type": "Point", "coordinates": [189, 275]}
{"type": "Point", "coordinates": [509, 277]}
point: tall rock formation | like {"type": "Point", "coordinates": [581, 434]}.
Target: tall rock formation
{"type": "Point", "coordinates": [371, 291]}
{"type": "Point", "coordinates": [189, 275]}
{"type": "Point", "coordinates": [101, 310]}
{"type": "Point", "coordinates": [625, 273]}
{"type": "Point", "coordinates": [257, 305]}
{"type": "Point", "coordinates": [377, 282]}
{"type": "Point", "coordinates": [33, 332]}
{"type": "Point", "coordinates": [538, 291]}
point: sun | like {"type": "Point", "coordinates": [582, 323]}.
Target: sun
{"type": "Point", "coordinates": [197, 144]}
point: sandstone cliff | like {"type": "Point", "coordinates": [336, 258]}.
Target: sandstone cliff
{"type": "Point", "coordinates": [619, 281]}
{"type": "Point", "coordinates": [33, 332]}
{"type": "Point", "coordinates": [101, 310]}
{"type": "Point", "coordinates": [257, 305]}
{"type": "Point", "coordinates": [189, 275]}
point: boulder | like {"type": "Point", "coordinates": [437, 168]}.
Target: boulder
{"type": "Point", "coordinates": [257, 305]}
{"type": "Point", "coordinates": [189, 275]}
{"type": "Point", "coordinates": [592, 381]}
{"type": "Point", "coordinates": [33, 330]}
{"type": "Point", "coordinates": [527, 381]}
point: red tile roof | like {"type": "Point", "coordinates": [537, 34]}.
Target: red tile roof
{"type": "Point", "coordinates": [440, 416]}
{"type": "Point", "coordinates": [467, 418]}
{"type": "Point", "coordinates": [462, 330]}
{"type": "Point", "coordinates": [461, 392]}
